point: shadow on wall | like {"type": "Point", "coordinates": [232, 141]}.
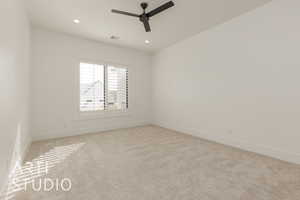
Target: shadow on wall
{"type": "Point", "coordinates": [26, 174]}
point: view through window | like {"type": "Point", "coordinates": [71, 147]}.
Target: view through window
{"type": "Point", "coordinates": [103, 87]}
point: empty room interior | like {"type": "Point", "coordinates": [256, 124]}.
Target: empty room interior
{"type": "Point", "coordinates": [149, 100]}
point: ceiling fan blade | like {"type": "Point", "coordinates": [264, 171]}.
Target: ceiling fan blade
{"type": "Point", "coordinates": [147, 25]}
{"type": "Point", "coordinates": [124, 13]}
{"type": "Point", "coordinates": [161, 8]}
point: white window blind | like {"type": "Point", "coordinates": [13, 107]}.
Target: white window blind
{"type": "Point", "coordinates": [117, 87]}
{"type": "Point", "coordinates": [103, 87]}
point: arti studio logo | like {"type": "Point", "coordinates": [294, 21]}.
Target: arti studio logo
{"type": "Point", "coordinates": [48, 185]}
{"type": "Point", "coordinates": [36, 174]}
{"type": "Point", "coordinates": [35, 181]}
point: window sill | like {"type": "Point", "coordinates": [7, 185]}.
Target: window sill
{"type": "Point", "coordinates": [92, 115]}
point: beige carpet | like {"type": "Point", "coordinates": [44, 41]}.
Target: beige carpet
{"type": "Point", "coordinates": [151, 163]}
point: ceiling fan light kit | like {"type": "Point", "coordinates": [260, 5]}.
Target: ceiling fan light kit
{"type": "Point", "coordinates": [144, 17]}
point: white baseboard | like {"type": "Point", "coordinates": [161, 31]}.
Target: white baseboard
{"type": "Point", "coordinates": [54, 134]}
{"type": "Point", "coordinates": [238, 143]}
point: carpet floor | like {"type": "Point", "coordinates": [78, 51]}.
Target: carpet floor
{"type": "Point", "coordinates": [151, 163]}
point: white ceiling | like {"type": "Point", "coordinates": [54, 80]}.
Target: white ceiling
{"type": "Point", "coordinates": [187, 18]}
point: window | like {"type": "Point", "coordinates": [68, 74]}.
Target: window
{"type": "Point", "coordinates": [103, 87]}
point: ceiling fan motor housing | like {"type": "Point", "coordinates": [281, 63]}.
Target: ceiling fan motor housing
{"type": "Point", "coordinates": [144, 17]}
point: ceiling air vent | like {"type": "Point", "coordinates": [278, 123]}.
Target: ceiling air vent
{"type": "Point", "coordinates": [113, 37]}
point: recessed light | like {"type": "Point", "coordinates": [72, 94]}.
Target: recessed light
{"type": "Point", "coordinates": [147, 41]}
{"type": "Point", "coordinates": [76, 21]}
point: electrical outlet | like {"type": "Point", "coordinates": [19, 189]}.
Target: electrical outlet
{"type": "Point", "coordinates": [229, 131]}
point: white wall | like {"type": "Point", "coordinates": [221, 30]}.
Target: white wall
{"type": "Point", "coordinates": [237, 83]}
{"type": "Point", "coordinates": [55, 94]}
{"type": "Point", "coordinates": [14, 85]}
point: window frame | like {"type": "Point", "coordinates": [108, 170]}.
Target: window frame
{"type": "Point", "coordinates": [94, 114]}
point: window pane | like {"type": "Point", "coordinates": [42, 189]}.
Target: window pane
{"type": "Point", "coordinates": [91, 87]}
{"type": "Point", "coordinates": [117, 88]}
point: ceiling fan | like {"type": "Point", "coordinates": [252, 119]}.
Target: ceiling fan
{"type": "Point", "coordinates": [144, 17]}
